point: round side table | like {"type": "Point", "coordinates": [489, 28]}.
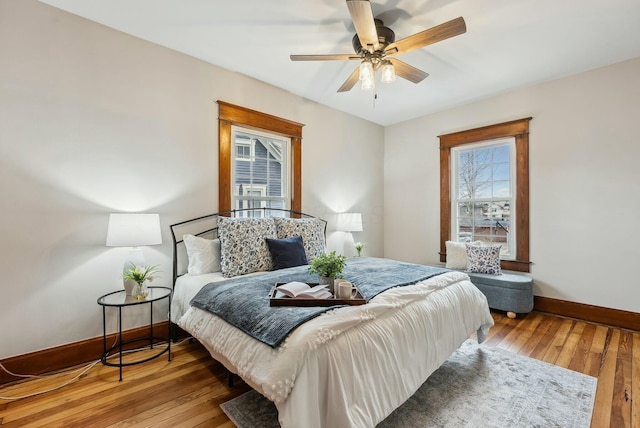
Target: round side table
{"type": "Point", "coordinates": [119, 300]}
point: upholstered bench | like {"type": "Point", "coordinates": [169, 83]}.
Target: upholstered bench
{"type": "Point", "coordinates": [510, 292]}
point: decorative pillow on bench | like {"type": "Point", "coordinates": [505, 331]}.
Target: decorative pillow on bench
{"type": "Point", "coordinates": [483, 259]}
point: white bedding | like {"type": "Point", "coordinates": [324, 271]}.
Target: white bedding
{"type": "Point", "coordinates": [351, 366]}
{"type": "Point", "coordinates": [187, 286]}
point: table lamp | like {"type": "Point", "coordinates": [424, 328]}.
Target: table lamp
{"type": "Point", "coordinates": [349, 222]}
{"type": "Point", "coordinates": [133, 230]}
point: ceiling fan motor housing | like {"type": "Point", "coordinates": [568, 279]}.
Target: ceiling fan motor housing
{"type": "Point", "coordinates": [386, 36]}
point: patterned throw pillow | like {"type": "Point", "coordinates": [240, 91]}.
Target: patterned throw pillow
{"type": "Point", "coordinates": [311, 230]}
{"type": "Point", "coordinates": [483, 259]}
{"type": "Point", "coordinates": [203, 254]}
{"type": "Point", "coordinates": [243, 246]}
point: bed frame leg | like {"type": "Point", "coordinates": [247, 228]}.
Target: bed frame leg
{"type": "Point", "coordinates": [230, 382]}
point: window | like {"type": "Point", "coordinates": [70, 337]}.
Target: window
{"type": "Point", "coordinates": [483, 193]}
{"type": "Point", "coordinates": [250, 197]}
{"type": "Point", "coordinates": [484, 185]}
{"type": "Point", "coordinates": [258, 140]}
{"type": "Point", "coordinates": [243, 149]}
{"type": "Point", "coordinates": [259, 171]}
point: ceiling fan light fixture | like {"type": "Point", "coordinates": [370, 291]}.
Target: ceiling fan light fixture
{"type": "Point", "coordinates": [366, 70]}
{"type": "Point", "coordinates": [369, 84]}
{"type": "Point", "coordinates": [387, 72]}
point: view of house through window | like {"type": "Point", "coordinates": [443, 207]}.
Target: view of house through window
{"type": "Point", "coordinates": [483, 203]}
{"type": "Point", "coordinates": [260, 171]}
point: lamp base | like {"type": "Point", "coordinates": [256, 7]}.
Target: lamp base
{"type": "Point", "coordinates": [349, 245]}
{"type": "Point", "coordinates": [135, 258]}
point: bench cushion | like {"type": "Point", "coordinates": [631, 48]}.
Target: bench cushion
{"type": "Point", "coordinates": [512, 292]}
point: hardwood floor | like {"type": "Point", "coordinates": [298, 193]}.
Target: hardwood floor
{"type": "Point", "coordinates": [187, 391]}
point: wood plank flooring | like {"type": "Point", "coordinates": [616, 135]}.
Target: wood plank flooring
{"type": "Point", "coordinates": [187, 391]}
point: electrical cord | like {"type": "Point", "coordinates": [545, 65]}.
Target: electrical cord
{"type": "Point", "coordinates": [82, 370]}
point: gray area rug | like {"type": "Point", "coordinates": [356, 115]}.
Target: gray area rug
{"type": "Point", "coordinates": [477, 386]}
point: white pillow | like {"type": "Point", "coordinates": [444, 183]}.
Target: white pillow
{"type": "Point", "coordinates": [203, 254]}
{"type": "Point", "coordinates": [457, 254]}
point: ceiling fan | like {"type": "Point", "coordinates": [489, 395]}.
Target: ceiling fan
{"type": "Point", "coordinates": [376, 48]}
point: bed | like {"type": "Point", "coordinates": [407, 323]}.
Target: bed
{"type": "Point", "coordinates": [344, 366]}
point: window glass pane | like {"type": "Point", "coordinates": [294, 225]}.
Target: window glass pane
{"type": "Point", "coordinates": [489, 223]}
{"type": "Point", "coordinates": [259, 173]}
{"type": "Point", "coordinates": [482, 156]}
{"type": "Point", "coordinates": [501, 189]}
{"type": "Point", "coordinates": [474, 173]}
{"type": "Point", "coordinates": [483, 190]}
{"type": "Point", "coordinates": [501, 154]}
{"type": "Point", "coordinates": [484, 173]}
{"type": "Point", "coordinates": [260, 150]}
{"type": "Point", "coordinates": [275, 177]}
{"type": "Point", "coordinates": [501, 171]}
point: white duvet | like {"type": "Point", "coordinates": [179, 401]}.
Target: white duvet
{"type": "Point", "coordinates": [351, 366]}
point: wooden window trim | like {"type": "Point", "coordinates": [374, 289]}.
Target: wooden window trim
{"type": "Point", "coordinates": [519, 129]}
{"type": "Point", "coordinates": [230, 115]}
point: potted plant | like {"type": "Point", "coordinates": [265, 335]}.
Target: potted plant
{"type": "Point", "coordinates": [328, 267]}
{"type": "Point", "coordinates": [359, 247]}
{"type": "Point", "coordinates": [140, 274]}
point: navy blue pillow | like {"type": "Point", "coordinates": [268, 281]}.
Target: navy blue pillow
{"type": "Point", "coordinates": [288, 252]}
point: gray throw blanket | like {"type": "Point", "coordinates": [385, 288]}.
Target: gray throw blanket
{"type": "Point", "coordinates": [244, 301]}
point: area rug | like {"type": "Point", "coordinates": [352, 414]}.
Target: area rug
{"type": "Point", "coordinates": [478, 386]}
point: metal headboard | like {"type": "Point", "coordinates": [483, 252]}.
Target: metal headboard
{"type": "Point", "coordinates": [207, 224]}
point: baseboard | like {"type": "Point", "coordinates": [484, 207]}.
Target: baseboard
{"type": "Point", "coordinates": [72, 354]}
{"type": "Point", "coordinates": [599, 314]}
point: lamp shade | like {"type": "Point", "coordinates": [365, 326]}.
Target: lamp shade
{"type": "Point", "coordinates": [388, 73]}
{"type": "Point", "coordinates": [349, 222]}
{"type": "Point", "coordinates": [132, 230]}
{"type": "Point", "coordinates": [365, 71]}
{"type": "Point", "coordinates": [368, 84]}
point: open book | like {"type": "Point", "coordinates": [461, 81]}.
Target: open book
{"type": "Point", "coordinates": [302, 290]}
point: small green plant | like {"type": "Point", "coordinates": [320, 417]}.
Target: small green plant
{"type": "Point", "coordinates": [328, 265]}
{"type": "Point", "coordinates": [359, 247]}
{"type": "Point", "coordinates": [140, 274]}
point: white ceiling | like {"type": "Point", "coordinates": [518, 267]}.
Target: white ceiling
{"type": "Point", "coordinates": [508, 44]}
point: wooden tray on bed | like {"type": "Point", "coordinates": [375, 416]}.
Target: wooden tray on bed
{"type": "Point", "coordinates": [301, 301]}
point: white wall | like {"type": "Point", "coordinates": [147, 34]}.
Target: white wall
{"type": "Point", "coordinates": [584, 182]}
{"type": "Point", "coordinates": [94, 121]}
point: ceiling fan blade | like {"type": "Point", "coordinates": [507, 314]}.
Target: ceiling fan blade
{"type": "Point", "coordinates": [330, 57]}
{"type": "Point", "coordinates": [362, 17]}
{"type": "Point", "coordinates": [427, 37]}
{"type": "Point", "coordinates": [351, 81]}
{"type": "Point", "coordinates": [407, 71]}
